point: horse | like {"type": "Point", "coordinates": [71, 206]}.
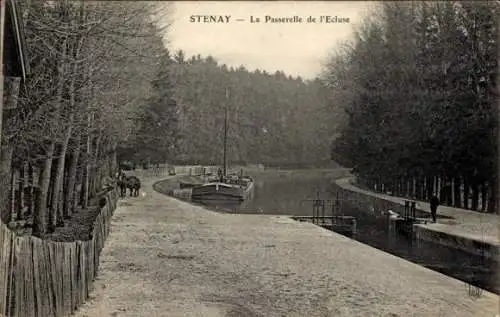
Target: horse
{"type": "Point", "coordinates": [122, 183]}
{"type": "Point", "coordinates": [134, 184]}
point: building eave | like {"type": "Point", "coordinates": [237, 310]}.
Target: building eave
{"type": "Point", "coordinates": [13, 10]}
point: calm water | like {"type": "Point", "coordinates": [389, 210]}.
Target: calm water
{"type": "Point", "coordinates": [289, 193]}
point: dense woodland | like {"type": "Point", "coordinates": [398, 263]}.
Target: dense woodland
{"type": "Point", "coordinates": [91, 68]}
{"type": "Point", "coordinates": [419, 83]}
{"type": "Point", "coordinates": [273, 118]}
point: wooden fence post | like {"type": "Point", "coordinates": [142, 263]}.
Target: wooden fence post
{"type": "Point", "coordinates": [41, 278]}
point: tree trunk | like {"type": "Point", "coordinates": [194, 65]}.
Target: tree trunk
{"type": "Point", "coordinates": [64, 191]}
{"type": "Point", "coordinates": [86, 168]}
{"type": "Point", "coordinates": [41, 219]}
{"type": "Point", "coordinates": [32, 183]}
{"type": "Point", "coordinates": [422, 188]}
{"type": "Point", "coordinates": [107, 161]}
{"type": "Point", "coordinates": [466, 193]}
{"type": "Point", "coordinates": [114, 160]}
{"type": "Point", "coordinates": [67, 192]}
{"type": "Point", "coordinates": [50, 193]}
{"type": "Point", "coordinates": [78, 182]}
{"type": "Point", "coordinates": [6, 182]}
{"type": "Point", "coordinates": [430, 188]}
{"type": "Point", "coordinates": [492, 197]}
{"type": "Point", "coordinates": [16, 194]}
{"type": "Point", "coordinates": [23, 186]}
{"type": "Point", "coordinates": [457, 184]}
{"type": "Point", "coordinates": [46, 218]}
{"type": "Point", "coordinates": [452, 193]}
{"type": "Point", "coordinates": [442, 190]}
{"type": "Point", "coordinates": [475, 195]}
{"type": "Point", "coordinates": [69, 196]}
{"type": "Point", "coordinates": [59, 177]}
{"type": "Point", "coordinates": [95, 163]}
{"type": "Point", "coordinates": [84, 185]}
{"type": "Point", "coordinates": [412, 187]}
{"type": "Point", "coordinates": [416, 188]}
{"type": "Point", "coordinates": [484, 194]}
{"type": "Point", "coordinates": [439, 183]}
{"type": "Point", "coordinates": [449, 191]}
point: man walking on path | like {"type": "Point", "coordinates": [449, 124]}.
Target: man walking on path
{"type": "Point", "coordinates": [434, 204]}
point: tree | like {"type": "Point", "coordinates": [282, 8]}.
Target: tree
{"type": "Point", "coordinates": [417, 84]}
{"type": "Point", "coordinates": [272, 119]}
{"type": "Point", "coordinates": [158, 124]}
{"type": "Point", "coordinates": [91, 73]}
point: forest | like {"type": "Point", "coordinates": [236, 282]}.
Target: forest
{"type": "Point", "coordinates": [91, 65]}
{"type": "Point", "coordinates": [419, 87]}
{"type": "Point", "coordinates": [273, 119]}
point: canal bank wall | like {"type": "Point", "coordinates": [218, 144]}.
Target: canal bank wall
{"type": "Point", "coordinates": [468, 231]}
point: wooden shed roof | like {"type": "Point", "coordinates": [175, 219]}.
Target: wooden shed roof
{"type": "Point", "coordinates": [12, 8]}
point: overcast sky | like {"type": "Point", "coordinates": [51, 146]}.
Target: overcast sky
{"type": "Point", "coordinates": [296, 48]}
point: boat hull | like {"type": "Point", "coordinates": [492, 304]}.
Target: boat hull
{"type": "Point", "coordinates": [222, 191]}
{"type": "Point", "coordinates": [183, 185]}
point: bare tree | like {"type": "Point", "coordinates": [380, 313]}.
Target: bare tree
{"type": "Point", "coordinates": [93, 67]}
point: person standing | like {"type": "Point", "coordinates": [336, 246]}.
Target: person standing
{"type": "Point", "coordinates": [220, 174]}
{"type": "Point", "coordinates": [434, 205]}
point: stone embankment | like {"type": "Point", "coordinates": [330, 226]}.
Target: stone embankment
{"type": "Point", "coordinates": [470, 231]}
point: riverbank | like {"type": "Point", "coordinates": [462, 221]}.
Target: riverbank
{"type": "Point", "coordinates": [165, 257]}
{"type": "Point", "coordinates": [466, 230]}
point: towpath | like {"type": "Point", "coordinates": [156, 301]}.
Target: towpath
{"type": "Point", "coordinates": [168, 258]}
{"type": "Point", "coordinates": [466, 223]}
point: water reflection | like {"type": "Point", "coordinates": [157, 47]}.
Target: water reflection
{"type": "Point", "coordinates": [280, 193]}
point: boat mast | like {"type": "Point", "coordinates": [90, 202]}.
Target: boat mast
{"type": "Point", "coordinates": [225, 131]}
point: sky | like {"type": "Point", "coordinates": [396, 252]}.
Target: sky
{"type": "Point", "coordinates": [298, 49]}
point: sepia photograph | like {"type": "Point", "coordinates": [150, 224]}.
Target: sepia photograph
{"type": "Point", "coordinates": [249, 158]}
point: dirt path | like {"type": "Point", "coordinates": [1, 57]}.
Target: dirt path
{"type": "Point", "coordinates": [167, 258]}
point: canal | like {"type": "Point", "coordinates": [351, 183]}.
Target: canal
{"type": "Point", "coordinates": [287, 193]}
